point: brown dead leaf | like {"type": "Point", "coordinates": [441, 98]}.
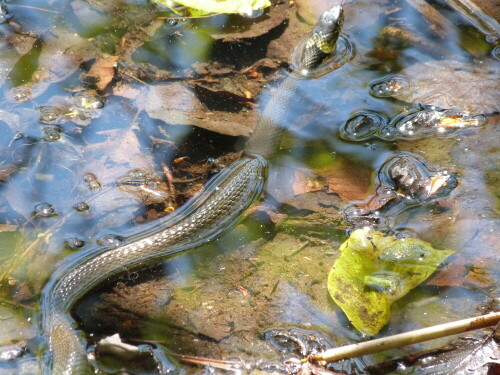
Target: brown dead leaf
{"type": "Point", "coordinates": [349, 180]}
{"type": "Point", "coordinates": [469, 273]}
{"type": "Point", "coordinates": [102, 71]}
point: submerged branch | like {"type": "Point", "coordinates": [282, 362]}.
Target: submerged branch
{"type": "Point", "coordinates": [407, 338]}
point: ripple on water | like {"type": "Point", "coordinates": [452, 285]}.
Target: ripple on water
{"type": "Point", "coordinates": [343, 54]}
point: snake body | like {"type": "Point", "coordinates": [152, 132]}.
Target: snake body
{"type": "Point", "coordinates": [223, 202]}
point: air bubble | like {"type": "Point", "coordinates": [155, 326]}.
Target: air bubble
{"type": "Point", "coordinates": [362, 126]}
{"type": "Point", "coordinates": [49, 115]}
{"type": "Point", "coordinates": [496, 53]}
{"type": "Point", "coordinates": [82, 207]}
{"type": "Point", "coordinates": [171, 22]}
{"type": "Point", "coordinates": [110, 240]}
{"type": "Point", "coordinates": [51, 134]}
{"type": "Point", "coordinates": [88, 100]}
{"type": "Point", "coordinates": [133, 276]}
{"type": "Point", "coordinates": [388, 86]}
{"type": "Point", "coordinates": [45, 210]}
{"type": "Point", "coordinates": [138, 173]}
{"type": "Point", "coordinates": [492, 38]}
{"type": "Point", "coordinates": [75, 243]}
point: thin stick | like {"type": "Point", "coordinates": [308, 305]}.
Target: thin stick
{"type": "Point", "coordinates": [407, 338]}
{"type": "Point", "coordinates": [36, 8]}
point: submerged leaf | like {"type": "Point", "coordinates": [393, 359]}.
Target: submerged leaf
{"type": "Point", "coordinates": [220, 6]}
{"type": "Point", "coordinates": [445, 84]}
{"type": "Point", "coordinates": [374, 270]}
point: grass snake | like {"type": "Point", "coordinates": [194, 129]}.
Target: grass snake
{"type": "Point", "coordinates": [223, 202]}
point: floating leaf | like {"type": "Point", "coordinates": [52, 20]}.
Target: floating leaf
{"type": "Point", "coordinates": [374, 270]}
{"type": "Point", "coordinates": [219, 6]}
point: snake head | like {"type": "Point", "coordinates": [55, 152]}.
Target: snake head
{"type": "Point", "coordinates": [322, 42]}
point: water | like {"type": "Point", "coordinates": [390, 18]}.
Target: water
{"type": "Point", "coordinates": [96, 95]}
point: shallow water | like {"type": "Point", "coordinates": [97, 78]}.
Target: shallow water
{"type": "Point", "coordinates": [84, 120]}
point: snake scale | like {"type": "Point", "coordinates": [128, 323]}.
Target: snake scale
{"type": "Point", "coordinates": [223, 202]}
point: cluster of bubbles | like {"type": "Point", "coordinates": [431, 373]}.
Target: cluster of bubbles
{"type": "Point", "coordinates": [21, 94]}
{"type": "Point", "coordinates": [410, 124]}
{"type": "Point", "coordinates": [91, 181]}
{"type": "Point", "coordinates": [83, 104]}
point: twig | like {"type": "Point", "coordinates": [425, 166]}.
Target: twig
{"type": "Point", "coordinates": [170, 179]}
{"type": "Point", "coordinates": [296, 251]}
{"type": "Point", "coordinates": [216, 363]}
{"type": "Point", "coordinates": [32, 7]}
{"type": "Point", "coordinates": [407, 338]}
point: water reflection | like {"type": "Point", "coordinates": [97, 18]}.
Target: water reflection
{"type": "Point", "coordinates": [110, 136]}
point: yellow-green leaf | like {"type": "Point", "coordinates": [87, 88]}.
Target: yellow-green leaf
{"type": "Point", "coordinates": [219, 6]}
{"type": "Point", "coordinates": [374, 270]}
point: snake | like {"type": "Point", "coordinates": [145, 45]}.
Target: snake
{"type": "Point", "coordinates": [223, 202]}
